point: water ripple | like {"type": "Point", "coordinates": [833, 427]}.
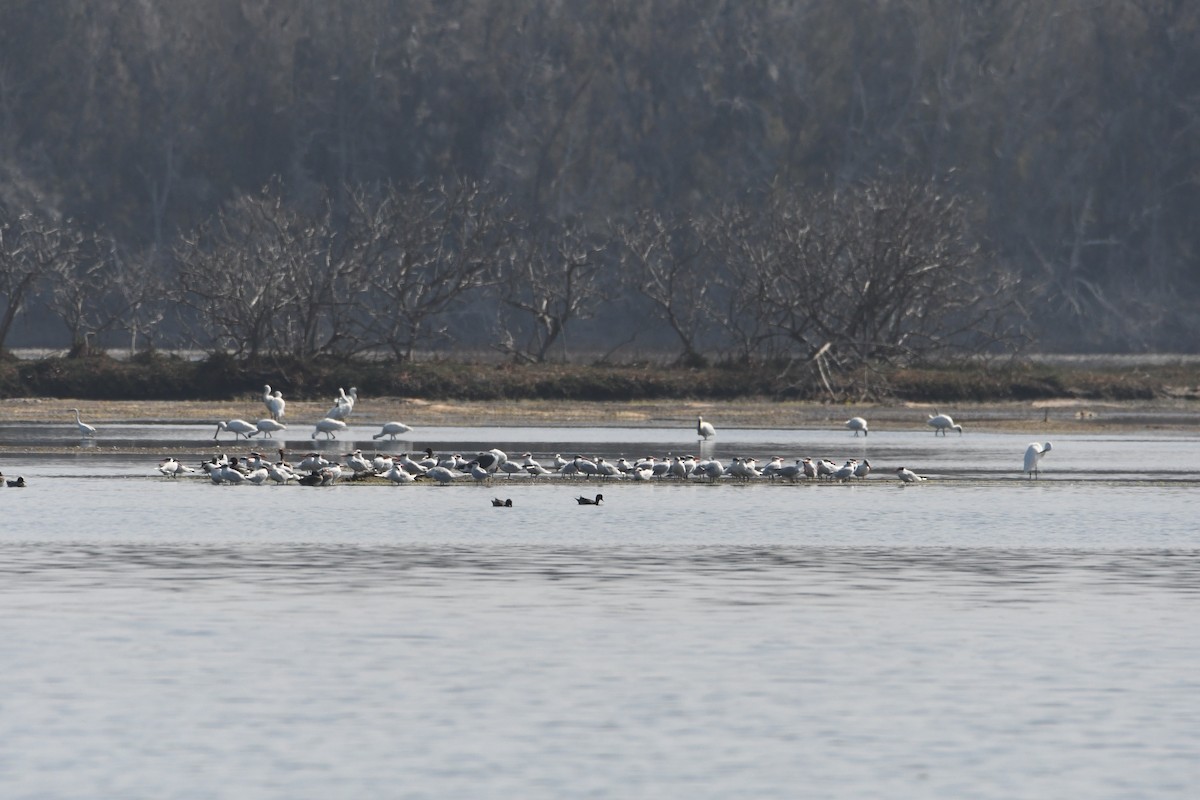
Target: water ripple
{"type": "Point", "coordinates": [782, 569]}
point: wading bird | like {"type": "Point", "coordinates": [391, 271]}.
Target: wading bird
{"type": "Point", "coordinates": [84, 428]}
{"type": "Point", "coordinates": [1033, 456]}
{"type": "Point", "coordinates": [274, 402]}
{"type": "Point", "coordinates": [392, 429]}
{"type": "Point", "coordinates": [942, 423]}
{"type": "Point", "coordinates": [267, 427]}
{"type": "Point", "coordinates": [857, 424]}
{"type": "Point", "coordinates": [328, 426]}
{"type": "Point", "coordinates": [239, 428]}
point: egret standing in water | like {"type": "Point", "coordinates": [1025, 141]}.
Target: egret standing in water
{"type": "Point", "coordinates": [857, 424]}
{"type": "Point", "coordinates": [84, 428]}
{"type": "Point", "coordinates": [704, 429]}
{"type": "Point", "coordinates": [1033, 455]}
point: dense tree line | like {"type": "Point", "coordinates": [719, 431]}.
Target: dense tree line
{"type": "Point", "coordinates": [719, 176]}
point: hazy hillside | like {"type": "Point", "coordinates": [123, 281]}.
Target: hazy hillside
{"type": "Point", "coordinates": [1066, 135]}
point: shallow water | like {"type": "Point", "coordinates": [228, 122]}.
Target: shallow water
{"type": "Point", "coordinates": [978, 635]}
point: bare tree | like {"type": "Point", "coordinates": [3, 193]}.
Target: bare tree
{"type": "Point", "coordinates": [660, 260]}
{"type": "Point", "coordinates": [741, 263]}
{"type": "Point", "coordinates": [19, 272]}
{"type": "Point", "coordinates": [139, 286]}
{"type": "Point", "coordinates": [77, 281]}
{"type": "Point", "coordinates": [226, 275]}
{"type": "Point", "coordinates": [558, 277]}
{"type": "Point", "coordinates": [93, 290]}
{"type": "Point", "coordinates": [885, 272]}
{"type": "Point", "coordinates": [38, 250]}
{"type": "Point", "coordinates": [422, 251]}
{"type": "Point", "coordinates": [269, 280]}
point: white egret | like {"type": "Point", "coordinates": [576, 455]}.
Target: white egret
{"type": "Point", "coordinates": [1033, 455]}
{"type": "Point", "coordinates": [704, 429]}
{"type": "Point", "coordinates": [942, 423]}
{"type": "Point", "coordinates": [392, 429]}
{"type": "Point", "coordinates": [238, 427]}
{"type": "Point", "coordinates": [84, 428]}
{"type": "Point", "coordinates": [857, 424]}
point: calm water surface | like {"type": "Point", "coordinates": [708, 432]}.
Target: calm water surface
{"type": "Point", "coordinates": [975, 636]}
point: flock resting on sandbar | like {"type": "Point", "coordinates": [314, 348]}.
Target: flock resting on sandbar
{"type": "Point", "coordinates": [316, 470]}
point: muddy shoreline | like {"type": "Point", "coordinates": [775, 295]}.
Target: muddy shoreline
{"type": "Point", "coordinates": [1050, 416]}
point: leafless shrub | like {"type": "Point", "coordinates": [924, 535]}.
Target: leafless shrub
{"type": "Point", "coordinates": [556, 278]}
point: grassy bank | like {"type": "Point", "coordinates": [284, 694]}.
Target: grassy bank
{"type": "Point", "coordinates": [161, 377]}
